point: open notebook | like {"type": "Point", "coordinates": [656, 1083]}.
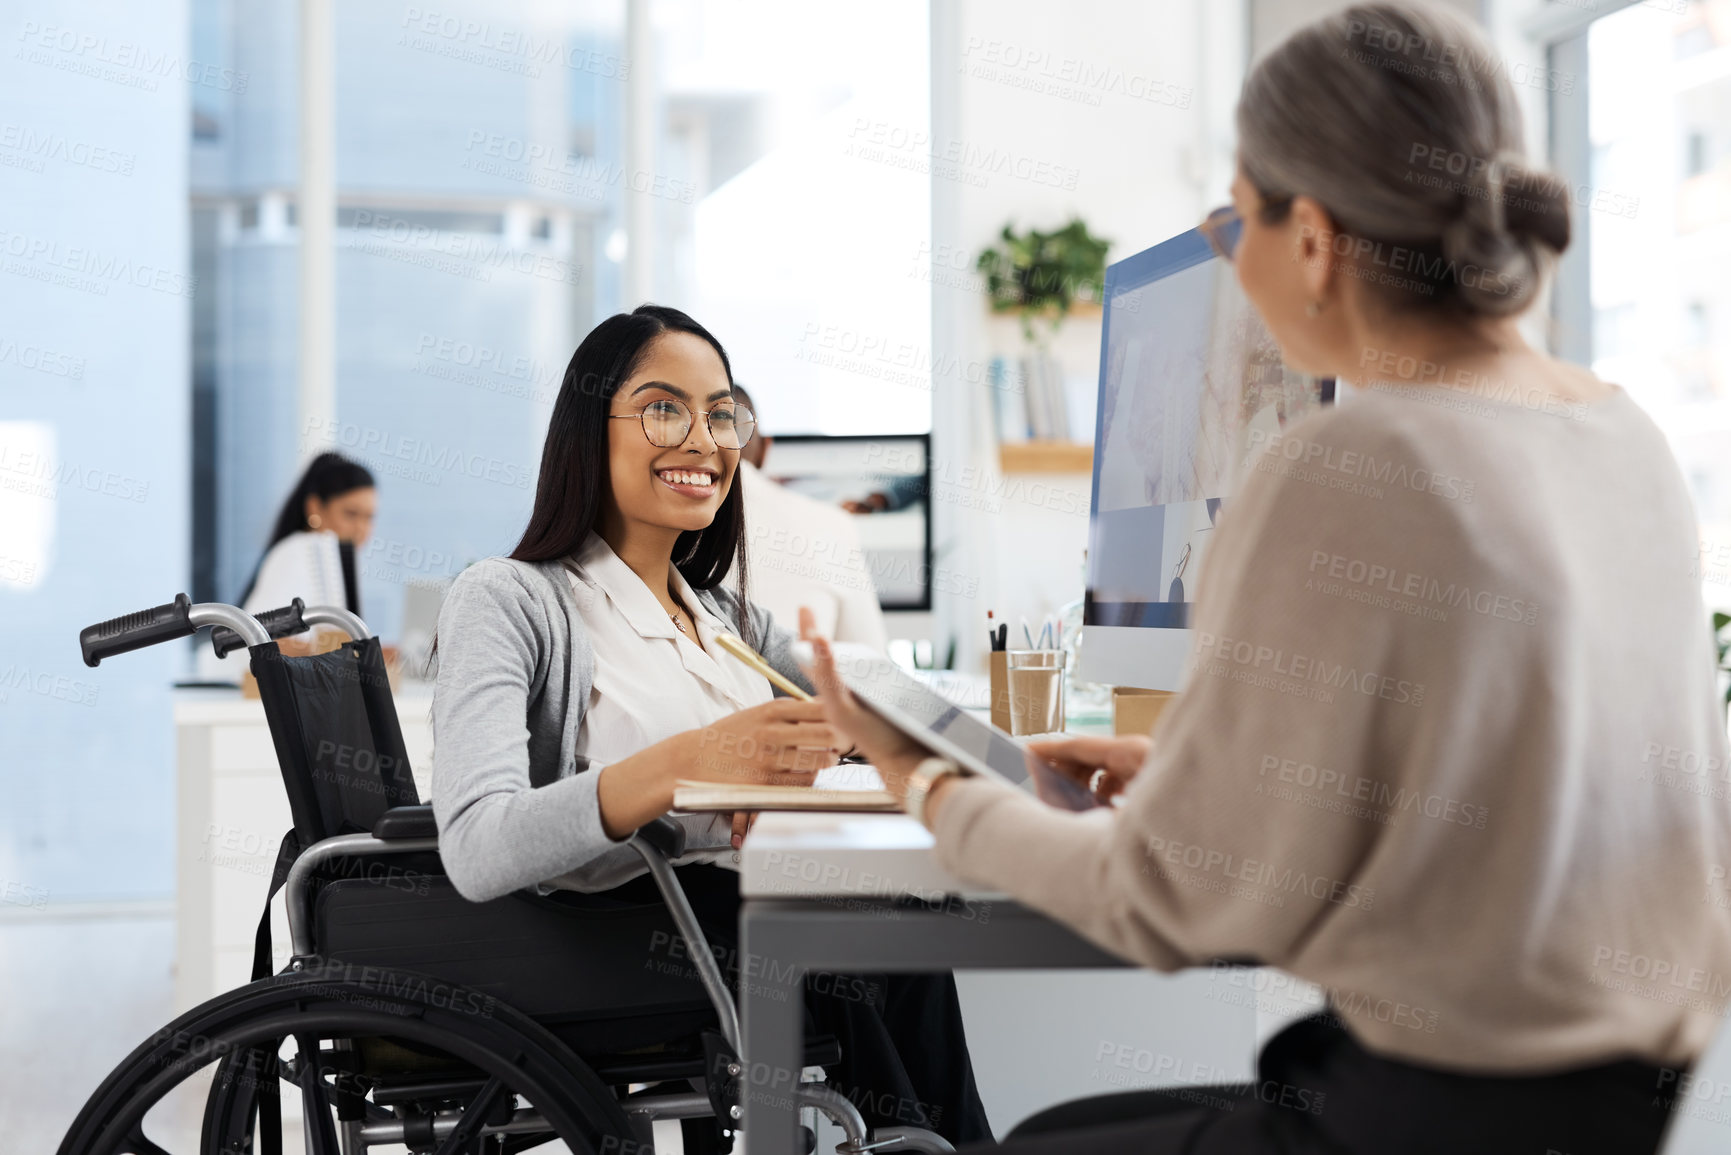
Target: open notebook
{"type": "Point", "coordinates": [838, 788]}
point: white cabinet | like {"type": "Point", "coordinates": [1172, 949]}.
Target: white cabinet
{"type": "Point", "coordinates": [231, 814]}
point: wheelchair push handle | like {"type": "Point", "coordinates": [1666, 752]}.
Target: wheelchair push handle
{"type": "Point", "coordinates": [282, 622]}
{"type": "Point", "coordinates": [135, 631]}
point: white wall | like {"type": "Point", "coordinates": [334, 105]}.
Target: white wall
{"type": "Point", "coordinates": [1113, 119]}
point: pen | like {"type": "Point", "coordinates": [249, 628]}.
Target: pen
{"type": "Point", "coordinates": [1028, 634]}
{"type": "Point", "coordinates": [750, 657]}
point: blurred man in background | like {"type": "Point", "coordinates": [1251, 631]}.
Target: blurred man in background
{"type": "Point", "coordinates": [804, 552]}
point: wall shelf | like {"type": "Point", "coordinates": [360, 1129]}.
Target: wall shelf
{"type": "Point", "coordinates": [1046, 457]}
{"type": "Point", "coordinates": [1078, 310]}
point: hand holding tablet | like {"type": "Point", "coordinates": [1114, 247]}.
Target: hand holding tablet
{"type": "Point", "coordinates": [898, 722]}
{"type": "Point", "coordinates": [1103, 766]}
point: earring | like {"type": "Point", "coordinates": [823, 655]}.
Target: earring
{"type": "Point", "coordinates": [1313, 309]}
{"type": "Point", "coordinates": [314, 521]}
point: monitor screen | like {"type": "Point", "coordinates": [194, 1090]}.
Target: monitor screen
{"type": "Point", "coordinates": [1190, 383]}
{"type": "Point", "coordinates": [886, 481]}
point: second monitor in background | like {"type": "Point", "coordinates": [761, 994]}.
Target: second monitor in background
{"type": "Point", "coordinates": [885, 481]}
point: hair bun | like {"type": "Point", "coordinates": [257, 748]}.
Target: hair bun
{"type": "Point", "coordinates": [1536, 206]}
{"type": "Point", "coordinates": [1400, 119]}
{"type": "Point", "coordinates": [1512, 222]}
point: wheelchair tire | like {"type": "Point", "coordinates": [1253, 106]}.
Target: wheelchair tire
{"type": "Point", "coordinates": [242, 1031]}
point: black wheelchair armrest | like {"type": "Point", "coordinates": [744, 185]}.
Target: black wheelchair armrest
{"type": "Point", "coordinates": [406, 822]}
{"type": "Point", "coordinates": [665, 835]}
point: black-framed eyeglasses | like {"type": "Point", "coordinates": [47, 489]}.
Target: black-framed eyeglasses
{"type": "Point", "coordinates": [667, 423]}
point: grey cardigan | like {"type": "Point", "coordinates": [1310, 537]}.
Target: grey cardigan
{"type": "Point", "coordinates": [516, 668]}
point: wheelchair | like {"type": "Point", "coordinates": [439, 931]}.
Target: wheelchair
{"type": "Point", "coordinates": [406, 1015]}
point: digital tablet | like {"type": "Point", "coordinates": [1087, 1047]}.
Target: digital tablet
{"type": "Point", "coordinates": [945, 728]}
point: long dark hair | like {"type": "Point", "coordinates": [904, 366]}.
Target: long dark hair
{"type": "Point", "coordinates": [573, 479]}
{"type": "Point", "coordinates": [329, 476]}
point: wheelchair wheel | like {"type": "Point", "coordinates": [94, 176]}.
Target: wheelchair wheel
{"type": "Point", "coordinates": [386, 1058]}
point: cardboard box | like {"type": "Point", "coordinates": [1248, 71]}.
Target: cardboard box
{"type": "Point", "coordinates": [1135, 710]}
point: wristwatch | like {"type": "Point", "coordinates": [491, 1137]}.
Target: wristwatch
{"type": "Point", "coordinates": [925, 776]}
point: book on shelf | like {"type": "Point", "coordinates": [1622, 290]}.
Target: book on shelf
{"type": "Point", "coordinates": [1009, 401]}
{"type": "Point", "coordinates": [1043, 404]}
{"type": "Point", "coordinates": [706, 796]}
{"type": "Point", "coordinates": [1034, 399]}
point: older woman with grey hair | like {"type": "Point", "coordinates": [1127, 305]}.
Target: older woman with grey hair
{"type": "Point", "coordinates": [1444, 743]}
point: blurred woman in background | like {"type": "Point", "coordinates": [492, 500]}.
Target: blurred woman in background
{"type": "Point", "coordinates": [332, 504]}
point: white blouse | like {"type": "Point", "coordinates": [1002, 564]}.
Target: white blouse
{"type": "Point", "coordinates": [306, 565]}
{"type": "Point", "coordinates": [651, 680]}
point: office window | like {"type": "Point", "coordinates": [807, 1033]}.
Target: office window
{"type": "Point", "coordinates": [419, 223]}
{"type": "Point", "coordinates": [804, 129]}
{"type": "Point", "coordinates": [1657, 209]}
{"type": "Point", "coordinates": [475, 171]}
{"type": "Point", "coordinates": [1697, 162]}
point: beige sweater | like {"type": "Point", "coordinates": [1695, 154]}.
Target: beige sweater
{"type": "Point", "coordinates": [1449, 746]}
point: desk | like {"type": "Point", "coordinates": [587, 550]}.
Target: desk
{"type": "Point", "coordinates": [825, 892]}
{"type": "Point", "coordinates": [864, 935]}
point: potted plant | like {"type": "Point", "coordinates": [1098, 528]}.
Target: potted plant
{"type": "Point", "coordinates": [1044, 274]}
{"type": "Point", "coordinates": [1720, 621]}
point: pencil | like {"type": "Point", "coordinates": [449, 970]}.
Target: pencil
{"type": "Point", "coordinates": [751, 658]}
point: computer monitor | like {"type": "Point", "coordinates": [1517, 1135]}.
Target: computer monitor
{"type": "Point", "coordinates": [422, 601]}
{"type": "Point", "coordinates": [1190, 381]}
{"type": "Point", "coordinates": [891, 475]}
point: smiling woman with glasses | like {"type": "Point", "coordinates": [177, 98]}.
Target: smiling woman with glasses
{"type": "Point", "coordinates": [580, 678]}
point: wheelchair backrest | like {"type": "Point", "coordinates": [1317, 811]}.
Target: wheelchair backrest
{"type": "Point", "coordinates": [337, 739]}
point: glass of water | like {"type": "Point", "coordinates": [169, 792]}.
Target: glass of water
{"type": "Point", "coordinates": [1036, 686]}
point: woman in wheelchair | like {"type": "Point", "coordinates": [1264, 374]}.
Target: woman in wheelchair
{"type": "Point", "coordinates": [580, 678]}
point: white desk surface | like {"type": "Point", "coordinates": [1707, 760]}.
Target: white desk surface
{"type": "Point", "coordinates": [805, 855]}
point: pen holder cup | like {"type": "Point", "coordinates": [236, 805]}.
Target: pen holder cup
{"type": "Point", "coordinates": [1034, 680]}
{"type": "Point", "coordinates": [1000, 689]}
